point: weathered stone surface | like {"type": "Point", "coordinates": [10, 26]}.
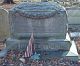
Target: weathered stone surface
{"type": "Point", "coordinates": [38, 10]}
{"type": "Point", "coordinates": [13, 44]}
{"type": "Point", "coordinates": [52, 45]}
{"type": "Point", "coordinates": [41, 44]}
{"type": "Point", "coordinates": [4, 23]}
{"type": "Point", "coordinates": [43, 19]}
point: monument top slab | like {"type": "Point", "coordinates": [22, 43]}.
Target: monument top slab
{"type": "Point", "coordinates": [38, 10]}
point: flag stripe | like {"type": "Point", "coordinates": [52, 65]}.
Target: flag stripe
{"type": "Point", "coordinates": [30, 47]}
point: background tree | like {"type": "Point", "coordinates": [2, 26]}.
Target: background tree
{"type": "Point", "coordinates": [8, 1]}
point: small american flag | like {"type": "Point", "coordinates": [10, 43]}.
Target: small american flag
{"type": "Point", "coordinates": [30, 48]}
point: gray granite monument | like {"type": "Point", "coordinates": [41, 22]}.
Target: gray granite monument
{"type": "Point", "coordinates": [48, 22]}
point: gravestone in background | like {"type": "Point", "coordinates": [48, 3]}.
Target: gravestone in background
{"type": "Point", "coordinates": [4, 23]}
{"type": "Point", "coordinates": [47, 21]}
{"type": "Point", "coordinates": [73, 19]}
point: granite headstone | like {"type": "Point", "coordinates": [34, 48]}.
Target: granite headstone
{"type": "Point", "coordinates": [4, 23]}
{"type": "Point", "coordinates": [47, 21]}
{"type": "Point", "coordinates": [73, 19]}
